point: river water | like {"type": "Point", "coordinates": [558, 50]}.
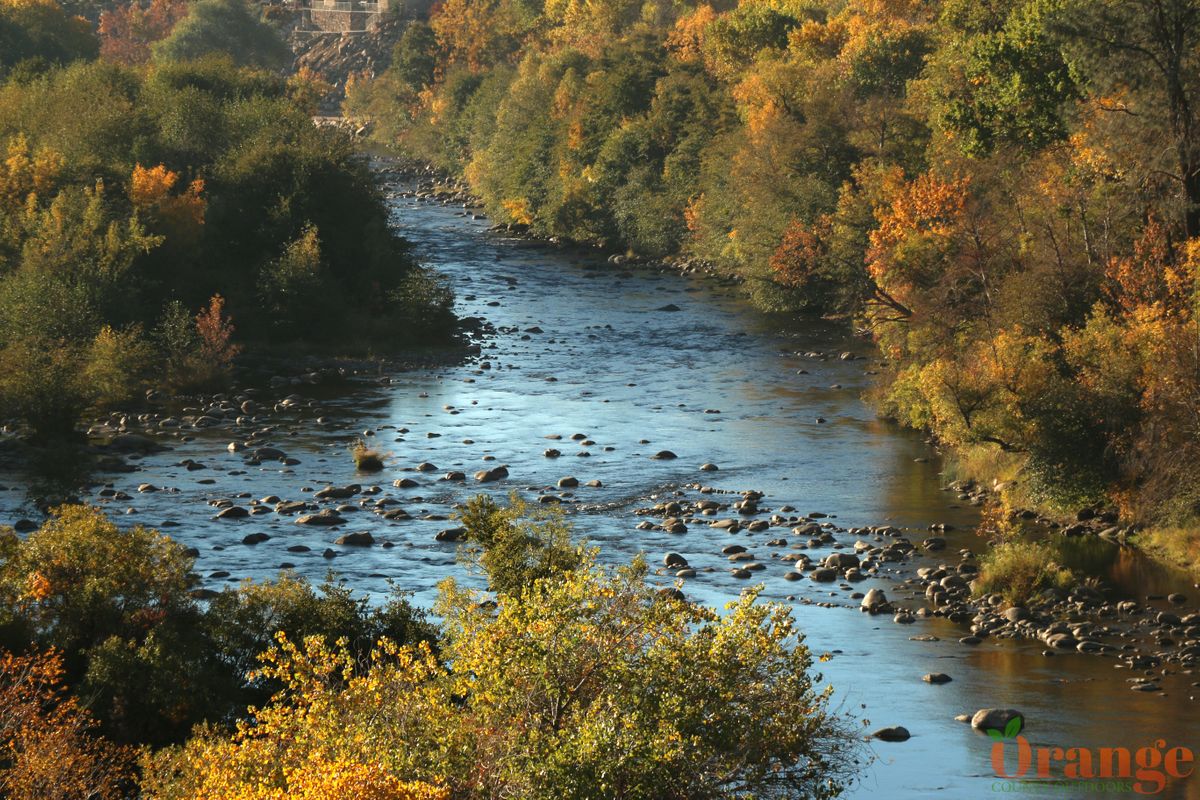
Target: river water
{"type": "Point", "coordinates": [714, 381]}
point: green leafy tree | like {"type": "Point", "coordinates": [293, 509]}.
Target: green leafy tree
{"type": "Point", "coordinates": [229, 27]}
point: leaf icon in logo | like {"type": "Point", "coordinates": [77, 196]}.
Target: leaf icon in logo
{"type": "Point", "coordinates": [1013, 727]}
{"type": "Point", "coordinates": [995, 734]}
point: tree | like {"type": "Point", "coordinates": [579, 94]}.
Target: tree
{"type": "Point", "coordinates": [513, 549]}
{"type": "Point", "coordinates": [48, 746]}
{"type": "Point", "coordinates": [40, 31]}
{"type": "Point", "coordinates": [128, 32]}
{"type": "Point", "coordinates": [589, 683]}
{"type": "Point", "coordinates": [414, 59]}
{"type": "Point", "coordinates": [223, 26]}
{"type": "Point", "coordinates": [1148, 50]}
{"type": "Point", "coordinates": [1010, 86]}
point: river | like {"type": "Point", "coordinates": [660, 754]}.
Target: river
{"type": "Point", "coordinates": [715, 382]}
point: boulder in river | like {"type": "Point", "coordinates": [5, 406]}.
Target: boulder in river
{"type": "Point", "coordinates": [664, 455]}
{"type": "Point", "coordinates": [338, 492]}
{"type": "Point", "coordinates": [875, 602]}
{"type": "Point", "coordinates": [451, 535]}
{"type": "Point", "coordinates": [823, 574]}
{"type": "Point", "coordinates": [326, 517]}
{"type": "Point", "coordinates": [998, 719]}
{"type": "Point", "coordinates": [896, 733]}
{"type": "Point", "coordinates": [842, 561]}
{"type": "Point", "coordinates": [361, 539]}
{"type": "Point", "coordinates": [675, 560]}
{"type": "Point", "coordinates": [491, 475]}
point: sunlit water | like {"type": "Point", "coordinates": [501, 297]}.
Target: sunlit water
{"type": "Point", "coordinates": [610, 365]}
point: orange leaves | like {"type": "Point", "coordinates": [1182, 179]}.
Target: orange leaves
{"type": "Point", "coordinates": [127, 32]}
{"type": "Point", "coordinates": [181, 214]}
{"type": "Point", "coordinates": [215, 331]}
{"type": "Point", "coordinates": [148, 187]}
{"type": "Point", "coordinates": [1155, 274]}
{"type": "Point", "coordinates": [912, 246]}
{"type": "Point", "coordinates": [686, 40]}
{"type": "Point", "coordinates": [47, 750]}
{"type": "Point", "coordinates": [38, 587]}
{"type": "Point", "coordinates": [926, 206]}
{"type": "Point", "coordinates": [760, 102]}
{"type": "Point", "coordinates": [800, 253]}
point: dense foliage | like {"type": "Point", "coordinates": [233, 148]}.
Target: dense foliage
{"type": "Point", "coordinates": [1005, 195]}
{"type": "Point", "coordinates": [117, 605]}
{"type": "Point", "coordinates": [576, 681]}
{"type": "Point", "coordinates": [149, 216]}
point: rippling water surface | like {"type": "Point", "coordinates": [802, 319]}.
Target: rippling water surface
{"type": "Point", "coordinates": [714, 382]}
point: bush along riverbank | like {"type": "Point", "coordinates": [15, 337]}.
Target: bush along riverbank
{"type": "Point", "coordinates": [1004, 202]}
{"type": "Point", "coordinates": [354, 701]}
{"type": "Point", "coordinates": [161, 224]}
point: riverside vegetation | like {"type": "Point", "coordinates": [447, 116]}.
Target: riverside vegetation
{"type": "Point", "coordinates": [167, 206]}
{"type": "Point", "coordinates": [152, 214]}
{"type": "Point", "coordinates": [571, 680]}
{"type": "Point", "coordinates": [1004, 196]}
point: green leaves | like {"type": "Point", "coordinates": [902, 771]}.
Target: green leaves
{"type": "Point", "coordinates": [1011, 729]}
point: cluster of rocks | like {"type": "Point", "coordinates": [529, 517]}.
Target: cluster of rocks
{"type": "Point", "coordinates": [809, 532]}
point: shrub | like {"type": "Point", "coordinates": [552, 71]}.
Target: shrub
{"type": "Point", "coordinates": [241, 623]}
{"type": "Point", "coordinates": [366, 459]}
{"type": "Point", "coordinates": [48, 749]}
{"type": "Point", "coordinates": [223, 26]}
{"type": "Point", "coordinates": [584, 684]}
{"type": "Point", "coordinates": [1020, 570]}
{"type": "Point", "coordinates": [292, 287]}
{"type": "Point", "coordinates": [516, 546]}
{"type": "Point", "coordinates": [80, 579]}
{"type": "Point", "coordinates": [119, 364]}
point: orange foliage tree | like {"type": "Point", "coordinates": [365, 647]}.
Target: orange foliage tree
{"type": "Point", "coordinates": [127, 32]}
{"type": "Point", "coordinates": [215, 331]}
{"type": "Point", "coordinates": [47, 747]}
{"type": "Point", "coordinates": [180, 214]}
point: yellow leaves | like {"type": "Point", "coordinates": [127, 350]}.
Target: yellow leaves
{"type": "Point", "coordinates": [518, 210]}
{"type": "Point", "coordinates": [150, 191]}
{"type": "Point", "coordinates": [38, 587]}
{"type": "Point", "coordinates": [686, 40]}
{"type": "Point", "coordinates": [26, 174]}
{"type": "Point", "coordinates": [582, 678]}
{"type": "Point", "coordinates": [321, 779]}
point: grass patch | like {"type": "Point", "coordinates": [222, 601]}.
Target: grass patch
{"type": "Point", "coordinates": [1020, 570]}
{"type": "Point", "coordinates": [366, 458]}
{"type": "Point", "coordinates": [1175, 545]}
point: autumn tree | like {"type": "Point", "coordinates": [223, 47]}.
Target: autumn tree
{"type": "Point", "coordinates": [49, 749]}
{"type": "Point", "coordinates": [39, 31]}
{"type": "Point", "coordinates": [547, 698]}
{"type": "Point", "coordinates": [128, 32]}
{"type": "Point", "coordinates": [1149, 51]}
